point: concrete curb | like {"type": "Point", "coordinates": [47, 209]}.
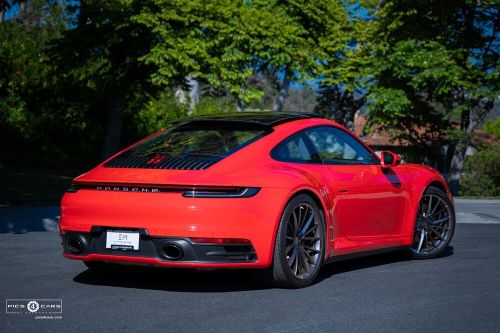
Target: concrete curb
{"type": "Point", "coordinates": [479, 201]}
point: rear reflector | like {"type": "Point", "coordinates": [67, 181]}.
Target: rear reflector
{"type": "Point", "coordinates": [201, 240]}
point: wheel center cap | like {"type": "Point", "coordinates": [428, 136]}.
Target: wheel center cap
{"type": "Point", "coordinates": [296, 241]}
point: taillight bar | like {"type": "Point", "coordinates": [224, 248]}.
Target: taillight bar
{"type": "Point", "coordinates": [243, 192]}
{"type": "Point", "coordinates": [188, 191]}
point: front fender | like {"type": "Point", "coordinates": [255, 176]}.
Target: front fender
{"type": "Point", "coordinates": [420, 177]}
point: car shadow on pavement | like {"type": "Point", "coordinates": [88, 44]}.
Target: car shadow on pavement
{"type": "Point", "coordinates": [173, 279]}
{"type": "Point", "coordinates": [208, 281]}
{"type": "Point", "coordinates": [370, 261]}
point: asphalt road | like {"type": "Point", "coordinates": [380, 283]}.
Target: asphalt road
{"type": "Point", "coordinates": [459, 292]}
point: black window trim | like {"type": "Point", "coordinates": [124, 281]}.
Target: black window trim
{"type": "Point", "coordinates": [314, 152]}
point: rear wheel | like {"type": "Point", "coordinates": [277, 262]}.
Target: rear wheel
{"type": "Point", "coordinates": [300, 245]}
{"type": "Point", "coordinates": [434, 226]}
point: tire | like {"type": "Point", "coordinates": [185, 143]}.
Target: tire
{"type": "Point", "coordinates": [434, 225]}
{"type": "Point", "coordinates": [299, 266]}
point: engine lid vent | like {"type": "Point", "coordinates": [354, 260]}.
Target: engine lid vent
{"type": "Point", "coordinates": [161, 162]}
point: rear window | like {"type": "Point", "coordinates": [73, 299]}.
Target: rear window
{"type": "Point", "coordinates": [188, 143]}
{"type": "Point", "coordinates": [196, 142]}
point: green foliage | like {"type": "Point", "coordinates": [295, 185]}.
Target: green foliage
{"type": "Point", "coordinates": [430, 64]}
{"type": "Point", "coordinates": [158, 113]}
{"type": "Point", "coordinates": [493, 127]}
{"type": "Point", "coordinates": [100, 55]}
{"type": "Point", "coordinates": [24, 75]}
{"type": "Point", "coordinates": [306, 38]}
{"type": "Point", "coordinates": [198, 38]}
{"type": "Point", "coordinates": [213, 105]}
{"type": "Point", "coordinates": [78, 69]}
{"type": "Point", "coordinates": [481, 175]}
{"type": "Point", "coordinates": [225, 43]}
{"type": "Point", "coordinates": [345, 76]}
{"type": "Point", "coordinates": [33, 122]}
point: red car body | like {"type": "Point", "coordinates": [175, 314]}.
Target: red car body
{"type": "Point", "coordinates": [365, 207]}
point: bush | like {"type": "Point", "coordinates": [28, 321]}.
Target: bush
{"type": "Point", "coordinates": [493, 127]}
{"type": "Point", "coordinates": [481, 173]}
{"type": "Point", "coordinates": [159, 112]}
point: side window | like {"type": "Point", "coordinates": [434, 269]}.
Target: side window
{"type": "Point", "coordinates": [294, 149]}
{"type": "Point", "coordinates": [335, 146]}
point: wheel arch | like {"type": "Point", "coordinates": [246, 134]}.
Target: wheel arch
{"type": "Point", "coordinates": [322, 205]}
{"type": "Point", "coordinates": [438, 184]}
{"type": "Point", "coordinates": [313, 195]}
{"type": "Point", "coordinates": [435, 181]}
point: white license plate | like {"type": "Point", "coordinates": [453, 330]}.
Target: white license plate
{"type": "Point", "coordinates": [125, 241]}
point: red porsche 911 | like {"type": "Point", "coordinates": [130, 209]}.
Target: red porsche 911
{"type": "Point", "coordinates": [280, 193]}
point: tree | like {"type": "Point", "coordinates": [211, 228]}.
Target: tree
{"type": "Point", "coordinates": [339, 104]}
{"type": "Point", "coordinates": [6, 5]}
{"type": "Point", "coordinates": [230, 43]}
{"type": "Point", "coordinates": [298, 41]}
{"type": "Point", "coordinates": [342, 89]}
{"type": "Point", "coordinates": [99, 61]}
{"type": "Point", "coordinates": [27, 86]}
{"type": "Point", "coordinates": [435, 69]}
{"type": "Point", "coordinates": [200, 39]}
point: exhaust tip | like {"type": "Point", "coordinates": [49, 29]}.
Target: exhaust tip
{"type": "Point", "coordinates": [172, 252]}
{"type": "Point", "coordinates": [75, 245]}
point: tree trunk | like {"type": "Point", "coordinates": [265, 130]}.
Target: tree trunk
{"type": "Point", "coordinates": [23, 6]}
{"type": "Point", "coordinates": [456, 165]}
{"type": "Point", "coordinates": [283, 89]}
{"type": "Point", "coordinates": [180, 95]}
{"type": "Point", "coordinates": [194, 92]}
{"type": "Point", "coordinates": [113, 131]}
{"type": "Point", "coordinates": [470, 120]}
{"type": "Point", "coordinates": [348, 106]}
{"type": "Point", "coordinates": [240, 105]}
{"type": "Point", "coordinates": [2, 16]}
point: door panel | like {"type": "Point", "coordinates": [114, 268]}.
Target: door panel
{"type": "Point", "coordinates": [369, 202]}
{"type": "Point", "coordinates": [374, 205]}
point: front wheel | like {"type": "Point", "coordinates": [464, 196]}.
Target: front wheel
{"type": "Point", "coordinates": [300, 245]}
{"type": "Point", "coordinates": [434, 225]}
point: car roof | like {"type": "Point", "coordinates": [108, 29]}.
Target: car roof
{"type": "Point", "coordinates": [263, 118]}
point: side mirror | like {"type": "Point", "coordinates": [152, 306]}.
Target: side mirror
{"type": "Point", "coordinates": [390, 159]}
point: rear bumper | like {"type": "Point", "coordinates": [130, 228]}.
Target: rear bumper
{"type": "Point", "coordinates": [170, 218]}
{"type": "Point", "coordinates": [163, 250]}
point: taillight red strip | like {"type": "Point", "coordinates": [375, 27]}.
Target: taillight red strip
{"type": "Point", "coordinates": [188, 191]}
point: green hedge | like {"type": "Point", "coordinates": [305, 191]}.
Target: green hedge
{"type": "Point", "coordinates": [481, 173]}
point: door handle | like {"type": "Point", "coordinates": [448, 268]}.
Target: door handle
{"type": "Point", "coordinates": [343, 189]}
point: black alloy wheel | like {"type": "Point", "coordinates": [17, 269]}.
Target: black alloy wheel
{"type": "Point", "coordinates": [434, 225]}
{"type": "Point", "coordinates": [300, 245]}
